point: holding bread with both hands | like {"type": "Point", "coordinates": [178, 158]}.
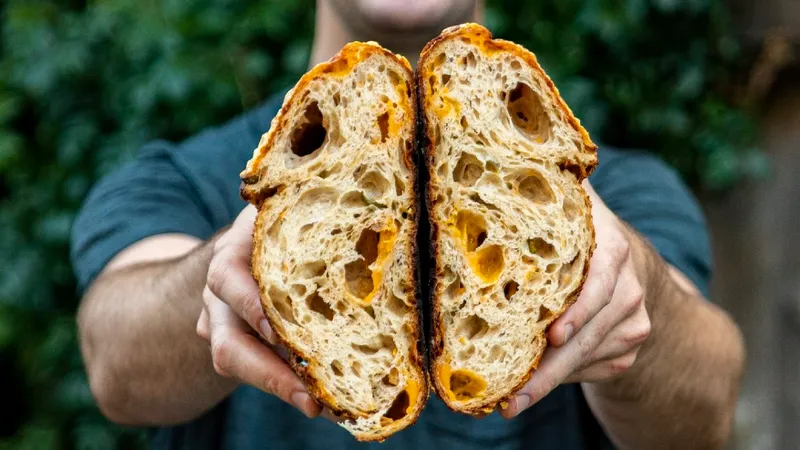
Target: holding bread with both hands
{"type": "Point", "coordinates": [410, 247]}
{"type": "Point", "coordinates": [522, 251]}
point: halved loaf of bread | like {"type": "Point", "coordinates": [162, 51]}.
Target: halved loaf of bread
{"type": "Point", "coordinates": [334, 249]}
{"type": "Point", "coordinates": [511, 225]}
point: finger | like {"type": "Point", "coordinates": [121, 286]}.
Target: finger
{"type": "Point", "coordinates": [230, 280]}
{"type": "Point", "coordinates": [605, 370]}
{"type": "Point", "coordinates": [242, 356]}
{"type": "Point", "coordinates": [625, 303]}
{"type": "Point", "coordinates": [629, 335]}
{"type": "Point", "coordinates": [559, 363]}
{"type": "Point", "coordinates": [597, 292]}
{"type": "Point", "coordinates": [202, 325]}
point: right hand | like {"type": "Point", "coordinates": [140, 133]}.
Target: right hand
{"type": "Point", "coordinates": [232, 319]}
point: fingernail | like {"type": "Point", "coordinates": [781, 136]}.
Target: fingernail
{"type": "Point", "coordinates": [266, 332]}
{"type": "Point", "coordinates": [300, 401]}
{"type": "Point", "coordinates": [568, 332]}
{"type": "Point", "coordinates": [522, 401]}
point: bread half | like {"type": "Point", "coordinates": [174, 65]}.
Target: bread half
{"type": "Point", "coordinates": [334, 249]}
{"type": "Point", "coordinates": [511, 225]}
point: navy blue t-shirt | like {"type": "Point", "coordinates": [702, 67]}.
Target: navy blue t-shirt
{"type": "Point", "coordinates": [193, 188]}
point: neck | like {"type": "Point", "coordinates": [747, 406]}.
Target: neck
{"type": "Point", "coordinates": [331, 34]}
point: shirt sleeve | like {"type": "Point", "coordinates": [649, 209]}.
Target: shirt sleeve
{"type": "Point", "coordinates": [148, 196]}
{"type": "Point", "coordinates": [650, 196]}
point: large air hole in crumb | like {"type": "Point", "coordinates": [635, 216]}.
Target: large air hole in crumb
{"type": "Point", "coordinates": [468, 169]}
{"type": "Point", "coordinates": [472, 326]}
{"type": "Point", "coordinates": [510, 288]}
{"type": "Point", "coordinates": [399, 186]}
{"type": "Point", "coordinates": [358, 278]}
{"type": "Point", "coordinates": [282, 303]}
{"type": "Point", "coordinates": [394, 78]}
{"type": "Point", "coordinates": [544, 313]}
{"type": "Point", "coordinates": [488, 263]}
{"type": "Point", "coordinates": [571, 209]}
{"type": "Point", "coordinates": [392, 378]}
{"type": "Point", "coordinates": [298, 290]}
{"type": "Point", "coordinates": [472, 229]}
{"type": "Point", "coordinates": [378, 343]}
{"type": "Point", "coordinates": [528, 114]}
{"type": "Point", "coordinates": [353, 200]}
{"type": "Point", "coordinates": [455, 288]}
{"type": "Point", "coordinates": [310, 134]}
{"type": "Point", "coordinates": [569, 271]}
{"type": "Point", "coordinates": [311, 269]}
{"type": "Point", "coordinates": [475, 197]}
{"type": "Point", "coordinates": [274, 230]}
{"type": "Point", "coordinates": [535, 188]}
{"type": "Point", "coordinates": [269, 192]}
{"type": "Point", "coordinates": [396, 305]}
{"type": "Point", "coordinates": [317, 304]}
{"type": "Point", "coordinates": [542, 248]}
{"type": "Point", "coordinates": [496, 353]}
{"type": "Point", "coordinates": [399, 407]}
{"type": "Point", "coordinates": [336, 367]}
{"type": "Point", "coordinates": [470, 60]}
{"type": "Point", "coordinates": [466, 385]}
{"type": "Point", "coordinates": [367, 245]}
{"type": "Point", "coordinates": [374, 185]}
{"type": "Point", "coordinates": [572, 168]}
{"type": "Point", "coordinates": [383, 125]}
{"type": "Point", "coordinates": [355, 367]}
{"type": "Point", "coordinates": [466, 353]}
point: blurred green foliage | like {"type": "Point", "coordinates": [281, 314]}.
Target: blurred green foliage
{"type": "Point", "coordinates": [84, 84]}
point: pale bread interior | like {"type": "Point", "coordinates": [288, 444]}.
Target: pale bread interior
{"type": "Point", "coordinates": [335, 234]}
{"type": "Point", "coordinates": [513, 220]}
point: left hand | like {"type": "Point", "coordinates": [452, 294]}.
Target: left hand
{"type": "Point", "coordinates": [598, 338]}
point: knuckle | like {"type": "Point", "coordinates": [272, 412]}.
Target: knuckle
{"type": "Point", "coordinates": [607, 283]}
{"type": "Point", "coordinates": [622, 248]}
{"type": "Point", "coordinates": [221, 353]}
{"type": "Point", "coordinates": [550, 383]}
{"type": "Point", "coordinates": [271, 384]}
{"type": "Point", "coordinates": [585, 348]}
{"type": "Point", "coordinates": [635, 297]}
{"type": "Point", "coordinates": [202, 330]}
{"type": "Point", "coordinates": [217, 274]}
{"type": "Point", "coordinates": [619, 366]}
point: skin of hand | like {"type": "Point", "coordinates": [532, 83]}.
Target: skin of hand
{"type": "Point", "coordinates": [233, 311]}
{"type": "Point", "coordinates": [659, 365]}
{"type": "Point", "coordinates": [598, 338]}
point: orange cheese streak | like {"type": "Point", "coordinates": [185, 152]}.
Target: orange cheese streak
{"type": "Point", "coordinates": [460, 384]}
{"type": "Point", "coordinates": [386, 239]}
{"type": "Point", "coordinates": [412, 389]}
{"type": "Point", "coordinates": [486, 261]}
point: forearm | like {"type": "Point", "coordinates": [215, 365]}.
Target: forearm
{"type": "Point", "coordinates": [146, 364]}
{"type": "Point", "coordinates": [681, 392]}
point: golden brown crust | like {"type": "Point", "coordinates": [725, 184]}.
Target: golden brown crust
{"type": "Point", "coordinates": [482, 38]}
{"type": "Point", "coordinates": [301, 363]}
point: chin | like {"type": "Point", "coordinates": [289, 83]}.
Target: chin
{"type": "Point", "coordinates": [382, 17]}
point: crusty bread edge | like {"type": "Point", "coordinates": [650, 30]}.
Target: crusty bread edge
{"type": "Point", "coordinates": [484, 37]}
{"type": "Point", "coordinates": [342, 62]}
{"type": "Point", "coordinates": [350, 55]}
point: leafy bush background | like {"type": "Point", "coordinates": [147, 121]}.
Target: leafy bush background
{"type": "Point", "coordinates": [83, 84]}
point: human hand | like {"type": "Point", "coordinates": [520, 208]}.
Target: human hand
{"type": "Point", "coordinates": [599, 337]}
{"type": "Point", "coordinates": [232, 319]}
